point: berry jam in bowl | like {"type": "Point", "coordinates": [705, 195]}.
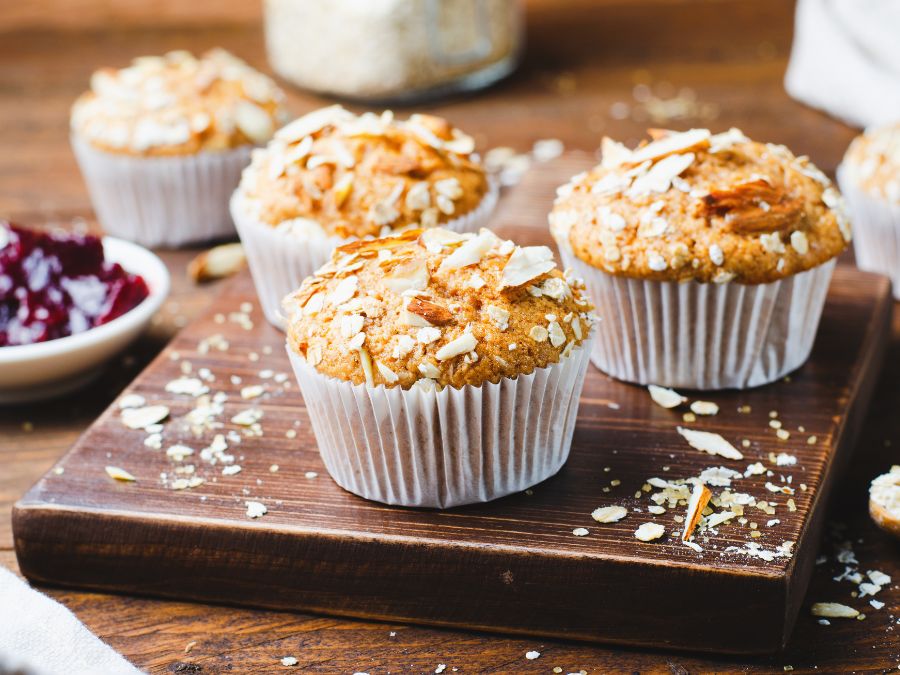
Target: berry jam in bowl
{"type": "Point", "coordinates": [68, 303]}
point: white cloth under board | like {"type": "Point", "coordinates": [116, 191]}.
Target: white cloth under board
{"type": "Point", "coordinates": [39, 636]}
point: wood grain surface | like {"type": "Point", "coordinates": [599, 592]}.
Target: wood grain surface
{"type": "Point", "coordinates": [577, 82]}
{"type": "Point", "coordinates": [512, 565]}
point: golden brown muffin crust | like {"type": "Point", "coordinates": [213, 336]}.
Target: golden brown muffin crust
{"type": "Point", "coordinates": [693, 205]}
{"type": "Point", "coordinates": [359, 176]}
{"type": "Point", "coordinates": [436, 307]}
{"type": "Point", "coordinates": [872, 162]}
{"type": "Point", "coordinates": [177, 104]}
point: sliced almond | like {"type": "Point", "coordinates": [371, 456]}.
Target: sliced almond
{"type": "Point", "coordinates": [670, 145]}
{"type": "Point", "coordinates": [461, 345]}
{"type": "Point", "coordinates": [470, 252]}
{"type": "Point", "coordinates": [754, 206]}
{"type": "Point", "coordinates": [313, 122]}
{"type": "Point", "coordinates": [526, 263]}
{"type": "Point", "coordinates": [666, 398]}
{"type": "Point", "coordinates": [609, 514]}
{"type": "Point", "coordinates": [433, 313]}
{"type": "Point", "coordinates": [408, 275]}
{"type": "Point", "coordinates": [217, 263]}
{"type": "Point", "coordinates": [613, 153]}
{"type": "Point", "coordinates": [120, 474]}
{"type": "Point", "coordinates": [659, 177]}
{"type": "Point", "coordinates": [709, 442]}
{"type": "Point", "coordinates": [700, 497]}
{"type": "Point", "coordinates": [141, 418]}
{"type": "Point", "coordinates": [833, 610]}
{"type": "Point", "coordinates": [362, 246]}
{"type": "Point", "coordinates": [253, 121]}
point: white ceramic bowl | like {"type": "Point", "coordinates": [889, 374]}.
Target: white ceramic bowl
{"type": "Point", "coordinates": [45, 369]}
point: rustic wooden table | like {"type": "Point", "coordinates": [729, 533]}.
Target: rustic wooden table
{"type": "Point", "coordinates": [588, 71]}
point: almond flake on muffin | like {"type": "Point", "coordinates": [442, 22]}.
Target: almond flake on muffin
{"type": "Point", "coordinates": [178, 104]}
{"type": "Point", "coordinates": [701, 206]}
{"type": "Point", "coordinates": [409, 308]}
{"type": "Point", "coordinates": [367, 175]}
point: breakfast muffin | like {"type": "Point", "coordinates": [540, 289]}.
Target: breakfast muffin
{"type": "Point", "coordinates": [332, 177]}
{"type": "Point", "coordinates": [162, 143]}
{"type": "Point", "coordinates": [709, 257]}
{"type": "Point", "coordinates": [440, 368]}
{"type": "Point", "coordinates": [869, 177]}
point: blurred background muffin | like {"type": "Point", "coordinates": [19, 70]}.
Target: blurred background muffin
{"type": "Point", "coordinates": [869, 177]}
{"type": "Point", "coordinates": [331, 176]}
{"type": "Point", "coordinates": [161, 143]}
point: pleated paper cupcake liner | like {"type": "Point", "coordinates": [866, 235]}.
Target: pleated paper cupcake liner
{"type": "Point", "coordinates": [876, 230]}
{"type": "Point", "coordinates": [162, 201]}
{"type": "Point", "coordinates": [279, 261]}
{"type": "Point", "coordinates": [703, 336]}
{"type": "Point", "coordinates": [428, 448]}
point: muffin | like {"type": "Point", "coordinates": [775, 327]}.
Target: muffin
{"type": "Point", "coordinates": [708, 257]}
{"type": "Point", "coordinates": [162, 143]}
{"type": "Point", "coordinates": [331, 177]}
{"type": "Point", "coordinates": [440, 368]}
{"type": "Point", "coordinates": [869, 177]}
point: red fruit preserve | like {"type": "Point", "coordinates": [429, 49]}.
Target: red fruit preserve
{"type": "Point", "coordinates": [53, 285]}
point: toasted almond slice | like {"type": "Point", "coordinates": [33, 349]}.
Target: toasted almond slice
{"type": "Point", "coordinates": [120, 474]}
{"type": "Point", "coordinates": [670, 145]}
{"type": "Point", "coordinates": [433, 313]}
{"type": "Point", "coordinates": [374, 245]}
{"type": "Point", "coordinates": [667, 398]}
{"type": "Point", "coordinates": [313, 122]}
{"type": "Point", "coordinates": [699, 499]}
{"type": "Point", "coordinates": [659, 177]}
{"type": "Point", "coordinates": [754, 206]}
{"type": "Point", "coordinates": [833, 610]}
{"type": "Point", "coordinates": [709, 442]}
{"type": "Point", "coordinates": [217, 263]}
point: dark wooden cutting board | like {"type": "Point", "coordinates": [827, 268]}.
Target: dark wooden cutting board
{"type": "Point", "coordinates": [513, 565]}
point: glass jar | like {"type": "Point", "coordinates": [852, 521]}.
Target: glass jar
{"type": "Point", "coordinates": [393, 50]}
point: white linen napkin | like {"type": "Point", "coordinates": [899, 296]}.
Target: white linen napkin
{"type": "Point", "coordinates": [38, 636]}
{"type": "Point", "coordinates": [845, 59]}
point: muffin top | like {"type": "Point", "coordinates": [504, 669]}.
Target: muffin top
{"type": "Point", "coordinates": [435, 307]}
{"type": "Point", "coordinates": [177, 105]}
{"type": "Point", "coordinates": [694, 205]}
{"type": "Point", "coordinates": [333, 173]}
{"type": "Point", "coordinates": [873, 162]}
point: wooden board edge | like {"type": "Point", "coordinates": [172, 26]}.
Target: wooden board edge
{"type": "Point", "coordinates": [96, 565]}
{"type": "Point", "coordinates": [799, 572]}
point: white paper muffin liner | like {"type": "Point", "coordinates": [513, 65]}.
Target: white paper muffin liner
{"type": "Point", "coordinates": [876, 230]}
{"type": "Point", "coordinates": [279, 261]}
{"type": "Point", "coordinates": [703, 336]}
{"type": "Point", "coordinates": [429, 448]}
{"type": "Point", "coordinates": [162, 201]}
